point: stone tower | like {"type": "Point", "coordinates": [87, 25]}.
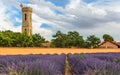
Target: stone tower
{"type": "Point", "coordinates": [26, 20]}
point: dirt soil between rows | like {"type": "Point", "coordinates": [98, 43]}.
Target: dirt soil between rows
{"type": "Point", "coordinates": [24, 51]}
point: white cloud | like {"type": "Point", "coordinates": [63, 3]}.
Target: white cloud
{"type": "Point", "coordinates": [5, 20]}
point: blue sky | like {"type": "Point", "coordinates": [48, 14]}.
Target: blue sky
{"type": "Point", "coordinates": [89, 1]}
{"type": "Point", "coordinates": [61, 3]}
{"type": "Point", "coordinates": [88, 17]}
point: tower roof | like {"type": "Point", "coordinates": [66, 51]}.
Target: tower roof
{"type": "Point", "coordinates": [26, 9]}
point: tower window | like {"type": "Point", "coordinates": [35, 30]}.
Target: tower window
{"type": "Point", "coordinates": [30, 31]}
{"type": "Point", "coordinates": [25, 16]}
{"type": "Point", "coordinates": [30, 17]}
{"type": "Point", "coordinates": [25, 30]}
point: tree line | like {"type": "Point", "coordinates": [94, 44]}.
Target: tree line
{"type": "Point", "coordinates": [60, 40]}
{"type": "Point", "coordinates": [74, 39]}
{"type": "Point", "coordinates": [16, 39]}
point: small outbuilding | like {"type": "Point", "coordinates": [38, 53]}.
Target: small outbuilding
{"type": "Point", "coordinates": [109, 44]}
{"type": "Point", "coordinates": [46, 44]}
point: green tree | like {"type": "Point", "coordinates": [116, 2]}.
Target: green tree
{"type": "Point", "coordinates": [26, 40]}
{"type": "Point", "coordinates": [60, 40]}
{"type": "Point", "coordinates": [5, 37]}
{"type": "Point", "coordinates": [71, 39]}
{"type": "Point", "coordinates": [92, 41]}
{"type": "Point", "coordinates": [74, 39]}
{"type": "Point", "coordinates": [107, 37]}
{"type": "Point", "coordinates": [37, 40]}
{"type": "Point", "coordinates": [1, 39]}
{"type": "Point", "coordinates": [16, 39]}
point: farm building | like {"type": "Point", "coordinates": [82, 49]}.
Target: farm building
{"type": "Point", "coordinates": [46, 44]}
{"type": "Point", "coordinates": [109, 44]}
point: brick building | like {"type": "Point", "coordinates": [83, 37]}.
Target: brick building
{"type": "Point", "coordinates": [108, 44]}
{"type": "Point", "coordinates": [47, 44]}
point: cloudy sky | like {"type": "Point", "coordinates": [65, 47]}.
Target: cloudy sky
{"type": "Point", "coordinates": [88, 17]}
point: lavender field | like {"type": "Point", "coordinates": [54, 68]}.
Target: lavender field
{"type": "Point", "coordinates": [95, 64]}
{"type": "Point", "coordinates": [47, 64]}
{"type": "Point", "coordinates": [32, 64]}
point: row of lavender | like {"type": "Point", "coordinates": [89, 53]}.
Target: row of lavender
{"type": "Point", "coordinates": [32, 64]}
{"type": "Point", "coordinates": [95, 64]}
